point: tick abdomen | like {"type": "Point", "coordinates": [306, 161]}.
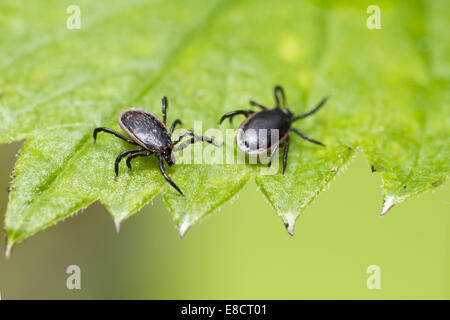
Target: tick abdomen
{"type": "Point", "coordinates": [145, 128]}
{"type": "Point", "coordinates": [263, 130]}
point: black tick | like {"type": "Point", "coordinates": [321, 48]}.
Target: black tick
{"type": "Point", "coordinates": [251, 142]}
{"type": "Point", "coordinates": [151, 135]}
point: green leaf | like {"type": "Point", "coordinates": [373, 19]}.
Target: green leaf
{"type": "Point", "coordinates": [388, 87]}
{"type": "Point", "coordinates": [388, 98]}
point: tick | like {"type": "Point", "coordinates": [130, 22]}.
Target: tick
{"type": "Point", "coordinates": [251, 142]}
{"type": "Point", "coordinates": [151, 136]}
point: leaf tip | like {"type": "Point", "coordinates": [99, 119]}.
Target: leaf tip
{"type": "Point", "coordinates": [183, 227]}
{"type": "Point", "coordinates": [289, 228]}
{"type": "Point", "coordinates": [8, 249]}
{"type": "Point", "coordinates": [289, 222]}
{"type": "Point", "coordinates": [388, 203]}
{"type": "Point", "coordinates": [117, 225]}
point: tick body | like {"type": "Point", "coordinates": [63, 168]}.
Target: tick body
{"type": "Point", "coordinates": [255, 135]}
{"type": "Point", "coordinates": [145, 129]}
{"type": "Point", "coordinates": [151, 137]}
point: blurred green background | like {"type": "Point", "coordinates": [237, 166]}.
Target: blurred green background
{"type": "Point", "coordinates": [243, 251]}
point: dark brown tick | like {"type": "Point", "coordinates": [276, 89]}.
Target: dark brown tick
{"type": "Point", "coordinates": [151, 135]}
{"type": "Point", "coordinates": [252, 143]}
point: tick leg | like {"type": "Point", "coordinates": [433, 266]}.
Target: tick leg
{"type": "Point", "coordinates": [234, 113]}
{"type": "Point", "coordinates": [195, 138]}
{"type": "Point", "coordinates": [285, 154]}
{"type": "Point", "coordinates": [186, 143]}
{"type": "Point", "coordinates": [278, 90]}
{"type": "Point", "coordinates": [316, 108]}
{"type": "Point", "coordinates": [256, 104]}
{"type": "Point", "coordinates": [301, 134]}
{"type": "Point", "coordinates": [165, 105]}
{"type": "Point", "coordinates": [120, 157]}
{"type": "Point", "coordinates": [184, 134]}
{"type": "Point", "coordinates": [135, 155]}
{"type": "Point", "coordinates": [272, 154]}
{"type": "Point", "coordinates": [174, 124]}
{"type": "Point", "coordinates": [166, 176]}
{"type": "Point", "coordinates": [118, 135]}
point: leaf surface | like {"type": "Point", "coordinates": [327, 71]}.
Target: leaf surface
{"type": "Point", "coordinates": [388, 90]}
